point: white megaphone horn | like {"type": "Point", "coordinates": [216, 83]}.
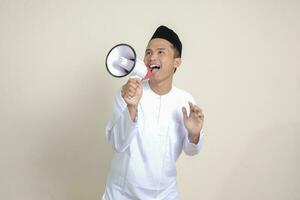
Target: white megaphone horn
{"type": "Point", "coordinates": [121, 60]}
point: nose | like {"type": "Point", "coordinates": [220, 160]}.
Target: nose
{"type": "Point", "coordinates": [153, 57]}
{"type": "Point", "coordinates": [150, 59]}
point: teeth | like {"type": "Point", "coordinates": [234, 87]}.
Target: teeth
{"type": "Point", "coordinates": [154, 66]}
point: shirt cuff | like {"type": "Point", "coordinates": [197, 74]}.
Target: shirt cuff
{"type": "Point", "coordinates": [200, 138]}
{"type": "Point", "coordinates": [191, 148]}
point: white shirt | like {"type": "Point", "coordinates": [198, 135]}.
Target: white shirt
{"type": "Point", "coordinates": [147, 149]}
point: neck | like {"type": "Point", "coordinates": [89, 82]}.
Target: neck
{"type": "Point", "coordinates": [160, 88]}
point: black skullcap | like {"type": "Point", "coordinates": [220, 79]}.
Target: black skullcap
{"type": "Point", "coordinates": [164, 32]}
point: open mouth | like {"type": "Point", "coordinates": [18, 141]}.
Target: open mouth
{"type": "Point", "coordinates": [154, 68]}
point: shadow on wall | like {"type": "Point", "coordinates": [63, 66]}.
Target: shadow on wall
{"type": "Point", "coordinates": [268, 169]}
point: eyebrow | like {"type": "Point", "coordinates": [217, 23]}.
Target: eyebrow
{"type": "Point", "coordinates": [160, 48]}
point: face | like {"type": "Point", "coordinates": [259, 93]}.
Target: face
{"type": "Point", "coordinates": [159, 56]}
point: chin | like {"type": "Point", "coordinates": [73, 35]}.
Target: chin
{"type": "Point", "coordinates": [153, 79]}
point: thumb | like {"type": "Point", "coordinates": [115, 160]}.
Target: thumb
{"type": "Point", "coordinates": [184, 112]}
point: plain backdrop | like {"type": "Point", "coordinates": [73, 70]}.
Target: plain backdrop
{"type": "Point", "coordinates": [240, 61]}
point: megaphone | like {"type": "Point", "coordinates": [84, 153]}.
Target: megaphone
{"type": "Point", "coordinates": [121, 60]}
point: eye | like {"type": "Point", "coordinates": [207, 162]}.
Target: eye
{"type": "Point", "coordinates": [160, 52]}
{"type": "Point", "coordinates": [147, 53]}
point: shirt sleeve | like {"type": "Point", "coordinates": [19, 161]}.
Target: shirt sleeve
{"type": "Point", "coordinates": [188, 147]}
{"type": "Point", "coordinates": [191, 148]}
{"type": "Point", "coordinates": [120, 130]}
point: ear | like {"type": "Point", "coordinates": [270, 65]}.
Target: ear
{"type": "Point", "coordinates": [177, 62]}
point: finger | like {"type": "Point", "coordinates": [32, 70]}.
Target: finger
{"type": "Point", "coordinates": [184, 112]}
{"type": "Point", "coordinates": [139, 87]}
{"type": "Point", "coordinates": [134, 79]}
{"type": "Point", "coordinates": [197, 108]}
{"type": "Point", "coordinates": [139, 81]}
{"type": "Point", "coordinates": [132, 89]}
{"type": "Point", "coordinates": [197, 112]}
{"type": "Point", "coordinates": [130, 94]}
{"type": "Point", "coordinates": [132, 85]}
{"type": "Point", "coordinates": [128, 99]}
{"type": "Point", "coordinates": [192, 107]}
{"type": "Point", "coordinates": [140, 84]}
{"type": "Point", "coordinates": [127, 93]}
{"type": "Point", "coordinates": [200, 114]}
{"type": "Point", "coordinates": [134, 82]}
{"type": "Point", "coordinates": [202, 117]}
{"type": "Point", "coordinates": [129, 84]}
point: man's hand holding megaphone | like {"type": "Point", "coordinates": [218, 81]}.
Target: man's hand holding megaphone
{"type": "Point", "coordinates": [121, 61]}
{"type": "Point", "coordinates": [132, 92]}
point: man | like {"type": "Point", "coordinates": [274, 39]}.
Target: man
{"type": "Point", "coordinates": [150, 127]}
